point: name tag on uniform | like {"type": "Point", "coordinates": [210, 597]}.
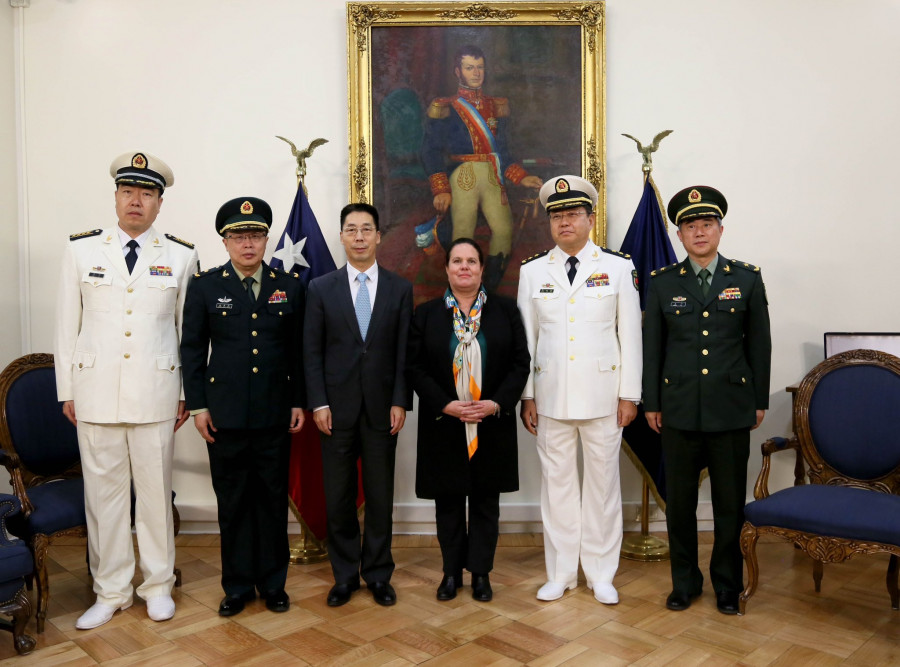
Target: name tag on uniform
{"type": "Point", "coordinates": [225, 302]}
{"type": "Point", "coordinates": [678, 301]}
{"type": "Point", "coordinates": [598, 280]}
{"type": "Point", "coordinates": [97, 272]}
{"type": "Point", "coordinates": [730, 293]}
{"type": "Point", "coordinates": [278, 297]}
{"type": "Point", "coordinates": [547, 288]}
{"type": "Point", "coordinates": [160, 271]}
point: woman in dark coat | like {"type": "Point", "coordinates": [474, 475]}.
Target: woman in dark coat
{"type": "Point", "coordinates": [468, 362]}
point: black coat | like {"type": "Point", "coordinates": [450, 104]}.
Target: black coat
{"type": "Point", "coordinates": [254, 375]}
{"type": "Point", "coordinates": [443, 466]}
{"type": "Point", "coordinates": [345, 372]}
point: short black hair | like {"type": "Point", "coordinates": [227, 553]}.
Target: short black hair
{"type": "Point", "coordinates": [464, 240]}
{"type": "Point", "coordinates": [159, 190]}
{"type": "Point", "coordinates": [467, 50]}
{"type": "Point", "coordinates": [359, 207]}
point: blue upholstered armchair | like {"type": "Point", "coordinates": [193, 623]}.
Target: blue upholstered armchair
{"type": "Point", "coordinates": [40, 449]}
{"type": "Point", "coordinates": [15, 566]}
{"type": "Point", "coordinates": [845, 420]}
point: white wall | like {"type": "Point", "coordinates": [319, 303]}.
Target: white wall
{"type": "Point", "coordinates": [784, 106]}
{"type": "Point", "coordinates": [10, 335]}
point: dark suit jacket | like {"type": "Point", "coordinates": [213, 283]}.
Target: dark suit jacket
{"type": "Point", "coordinates": [254, 375]}
{"type": "Point", "coordinates": [345, 372]}
{"type": "Point", "coordinates": [707, 360]}
{"type": "Point", "coordinates": [443, 465]}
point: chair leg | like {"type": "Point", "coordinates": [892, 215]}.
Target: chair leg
{"type": "Point", "coordinates": [892, 582]}
{"type": "Point", "coordinates": [818, 568]}
{"type": "Point", "coordinates": [749, 537]}
{"type": "Point", "coordinates": [39, 546]}
{"type": "Point", "coordinates": [23, 643]}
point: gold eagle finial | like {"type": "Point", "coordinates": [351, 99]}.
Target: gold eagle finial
{"type": "Point", "coordinates": [647, 152]}
{"type": "Point", "coordinates": [301, 156]}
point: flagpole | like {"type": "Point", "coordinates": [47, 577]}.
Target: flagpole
{"type": "Point", "coordinates": [306, 548]}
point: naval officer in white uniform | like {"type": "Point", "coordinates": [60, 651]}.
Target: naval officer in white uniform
{"type": "Point", "coordinates": [582, 316]}
{"type": "Point", "coordinates": [118, 374]}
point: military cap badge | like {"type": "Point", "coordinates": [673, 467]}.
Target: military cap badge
{"type": "Point", "coordinates": [562, 185]}
{"type": "Point", "coordinates": [246, 208]}
{"type": "Point", "coordinates": [694, 196]}
{"type": "Point", "coordinates": [139, 161]}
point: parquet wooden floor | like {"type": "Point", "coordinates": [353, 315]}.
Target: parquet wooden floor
{"type": "Point", "coordinates": [787, 623]}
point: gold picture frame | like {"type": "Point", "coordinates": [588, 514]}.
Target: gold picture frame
{"type": "Point", "coordinates": [533, 50]}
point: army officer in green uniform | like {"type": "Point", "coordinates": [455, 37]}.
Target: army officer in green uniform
{"type": "Point", "coordinates": [707, 356]}
{"type": "Point", "coordinates": [247, 399]}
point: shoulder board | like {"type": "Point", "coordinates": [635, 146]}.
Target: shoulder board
{"type": "Point", "coordinates": [439, 107]}
{"type": "Point", "coordinates": [186, 244]}
{"type": "Point", "coordinates": [501, 107]}
{"type": "Point", "coordinates": [615, 252]}
{"type": "Point", "coordinates": [663, 269]}
{"type": "Point", "coordinates": [85, 235]}
{"type": "Point", "coordinates": [533, 257]}
{"type": "Point", "coordinates": [744, 265]}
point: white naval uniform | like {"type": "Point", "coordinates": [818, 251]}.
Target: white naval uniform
{"type": "Point", "coordinates": [116, 355]}
{"type": "Point", "coordinates": [585, 345]}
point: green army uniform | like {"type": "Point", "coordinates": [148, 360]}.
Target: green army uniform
{"type": "Point", "coordinates": [707, 361]}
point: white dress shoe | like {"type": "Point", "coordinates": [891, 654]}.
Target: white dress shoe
{"type": "Point", "coordinates": [98, 615]}
{"type": "Point", "coordinates": [160, 607]}
{"type": "Point", "coordinates": [605, 593]}
{"type": "Point", "coordinates": [553, 591]}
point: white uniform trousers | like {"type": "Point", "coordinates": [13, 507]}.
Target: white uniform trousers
{"type": "Point", "coordinates": [584, 519]}
{"type": "Point", "coordinates": [111, 456]}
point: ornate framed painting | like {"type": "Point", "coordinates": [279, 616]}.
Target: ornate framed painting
{"type": "Point", "coordinates": [458, 112]}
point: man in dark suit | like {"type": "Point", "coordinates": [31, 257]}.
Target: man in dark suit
{"type": "Point", "coordinates": [707, 357]}
{"type": "Point", "coordinates": [247, 399]}
{"type": "Point", "coordinates": [355, 331]}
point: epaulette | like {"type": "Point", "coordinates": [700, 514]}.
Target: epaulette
{"type": "Point", "coordinates": [439, 107]}
{"type": "Point", "coordinates": [744, 265]}
{"type": "Point", "coordinates": [186, 244]}
{"type": "Point", "coordinates": [208, 272]}
{"type": "Point", "coordinates": [501, 107]}
{"type": "Point", "coordinates": [533, 257]}
{"type": "Point", "coordinates": [609, 251]}
{"type": "Point", "coordinates": [85, 235]}
{"type": "Point", "coordinates": [656, 272]}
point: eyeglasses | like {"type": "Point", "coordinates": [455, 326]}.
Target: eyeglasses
{"type": "Point", "coordinates": [351, 231]}
{"type": "Point", "coordinates": [255, 237]}
{"type": "Point", "coordinates": [569, 216]}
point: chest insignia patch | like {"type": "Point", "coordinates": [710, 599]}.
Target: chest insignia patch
{"type": "Point", "coordinates": [97, 272]}
{"type": "Point", "coordinates": [278, 297]}
{"type": "Point", "coordinates": [678, 301]}
{"type": "Point", "coordinates": [547, 288]}
{"type": "Point", "coordinates": [730, 293]}
{"type": "Point", "coordinates": [225, 302]}
{"type": "Point", "coordinates": [598, 280]}
{"type": "Point", "coordinates": [160, 271]}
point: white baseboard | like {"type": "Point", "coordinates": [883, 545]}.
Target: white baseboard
{"type": "Point", "coordinates": [418, 518]}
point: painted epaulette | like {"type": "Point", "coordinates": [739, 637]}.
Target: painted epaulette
{"type": "Point", "coordinates": [656, 272]}
{"type": "Point", "coordinates": [609, 251]}
{"type": "Point", "coordinates": [533, 257]}
{"type": "Point", "coordinates": [439, 107]}
{"type": "Point", "coordinates": [85, 235]}
{"type": "Point", "coordinates": [501, 107]}
{"type": "Point", "coordinates": [744, 265]}
{"type": "Point", "coordinates": [186, 244]}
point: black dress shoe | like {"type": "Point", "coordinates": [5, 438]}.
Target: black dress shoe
{"type": "Point", "coordinates": [727, 602]}
{"type": "Point", "coordinates": [277, 601]}
{"type": "Point", "coordinates": [234, 604]}
{"type": "Point", "coordinates": [383, 593]}
{"type": "Point", "coordinates": [481, 588]}
{"type": "Point", "coordinates": [340, 593]}
{"type": "Point", "coordinates": [678, 601]}
{"type": "Point", "coordinates": [449, 584]}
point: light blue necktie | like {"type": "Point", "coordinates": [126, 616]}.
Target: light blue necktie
{"type": "Point", "coordinates": [363, 306]}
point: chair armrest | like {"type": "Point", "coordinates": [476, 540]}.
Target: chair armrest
{"type": "Point", "coordinates": [14, 467]}
{"type": "Point", "coordinates": [9, 505]}
{"type": "Point", "coordinates": [769, 447]}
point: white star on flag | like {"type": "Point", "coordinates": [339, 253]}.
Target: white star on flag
{"type": "Point", "coordinates": [291, 253]}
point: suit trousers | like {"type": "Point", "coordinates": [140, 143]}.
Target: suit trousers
{"type": "Point", "coordinates": [473, 549]}
{"type": "Point", "coordinates": [580, 519]}
{"type": "Point", "coordinates": [250, 477]}
{"type": "Point", "coordinates": [726, 454]}
{"type": "Point", "coordinates": [353, 555]}
{"type": "Point", "coordinates": [112, 456]}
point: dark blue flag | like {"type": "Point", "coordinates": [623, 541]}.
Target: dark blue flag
{"type": "Point", "coordinates": [302, 248]}
{"type": "Point", "coordinates": [647, 241]}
